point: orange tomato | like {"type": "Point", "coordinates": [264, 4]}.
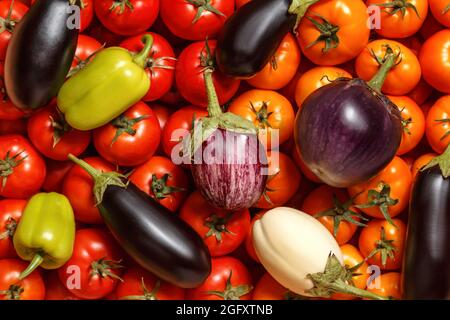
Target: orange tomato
{"type": "Point", "coordinates": [268, 288]}
{"type": "Point", "coordinates": [388, 285]}
{"type": "Point", "coordinates": [435, 60]}
{"type": "Point", "coordinates": [281, 68]}
{"type": "Point", "coordinates": [438, 124]}
{"type": "Point", "coordinates": [270, 112]}
{"type": "Point", "coordinates": [283, 182]}
{"type": "Point", "coordinates": [351, 258]}
{"type": "Point", "coordinates": [400, 19]}
{"type": "Point", "coordinates": [421, 92]}
{"type": "Point", "coordinates": [334, 31]}
{"type": "Point", "coordinates": [441, 11]}
{"type": "Point", "coordinates": [387, 194]}
{"type": "Point", "coordinates": [421, 162]}
{"type": "Point", "coordinates": [316, 78]}
{"type": "Point", "coordinates": [249, 239]}
{"type": "Point", "coordinates": [402, 78]}
{"type": "Point", "coordinates": [430, 27]}
{"type": "Point", "coordinates": [414, 43]}
{"type": "Point", "coordinates": [382, 243]}
{"type": "Point", "coordinates": [336, 211]}
{"type": "Point", "coordinates": [413, 122]}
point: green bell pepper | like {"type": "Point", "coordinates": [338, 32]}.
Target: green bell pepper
{"type": "Point", "coordinates": [46, 232]}
{"type": "Point", "coordinates": [109, 84]}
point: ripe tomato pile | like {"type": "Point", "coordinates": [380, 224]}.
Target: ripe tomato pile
{"type": "Point", "coordinates": [368, 220]}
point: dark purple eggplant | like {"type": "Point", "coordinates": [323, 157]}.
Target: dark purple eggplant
{"type": "Point", "coordinates": [426, 266]}
{"type": "Point", "coordinates": [229, 161]}
{"type": "Point", "coordinates": [254, 32]}
{"type": "Point", "coordinates": [348, 131]}
{"type": "Point", "coordinates": [40, 53]}
{"type": "Point", "coordinates": [154, 237]}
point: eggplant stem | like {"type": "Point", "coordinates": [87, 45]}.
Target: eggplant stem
{"type": "Point", "coordinates": [214, 109]}
{"type": "Point", "coordinates": [141, 57]}
{"type": "Point", "coordinates": [376, 83]}
{"type": "Point", "coordinates": [35, 262]}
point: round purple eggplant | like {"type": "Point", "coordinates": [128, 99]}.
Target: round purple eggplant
{"type": "Point", "coordinates": [348, 131]}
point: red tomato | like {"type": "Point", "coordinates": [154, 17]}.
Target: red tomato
{"type": "Point", "coordinates": [268, 288]}
{"type": "Point", "coordinates": [240, 3]}
{"type": "Point", "coordinates": [139, 284]}
{"type": "Point", "coordinates": [196, 20]}
{"type": "Point", "coordinates": [93, 270]}
{"type": "Point", "coordinates": [103, 35]}
{"type": "Point", "coordinates": [10, 212]}
{"type": "Point", "coordinates": [249, 239]}
{"type": "Point", "coordinates": [127, 17]}
{"type": "Point", "coordinates": [160, 64]}
{"type": "Point", "coordinates": [441, 11]}
{"type": "Point", "coordinates": [22, 170]}
{"type": "Point", "coordinates": [229, 279]}
{"type": "Point", "coordinates": [177, 127]}
{"type": "Point", "coordinates": [11, 288]}
{"type": "Point", "coordinates": [11, 12]}
{"type": "Point", "coordinates": [86, 47]}
{"type": "Point", "coordinates": [53, 137]}
{"type": "Point", "coordinates": [77, 187]}
{"type": "Point", "coordinates": [8, 111]}
{"type": "Point", "coordinates": [55, 290]}
{"type": "Point", "coordinates": [56, 172]}
{"type": "Point", "coordinates": [162, 113]}
{"type": "Point", "coordinates": [163, 181]}
{"type": "Point", "coordinates": [18, 126]}
{"type": "Point", "coordinates": [130, 139]}
{"type": "Point", "coordinates": [221, 231]}
{"type": "Point", "coordinates": [189, 76]}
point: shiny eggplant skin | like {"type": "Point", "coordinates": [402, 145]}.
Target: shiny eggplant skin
{"type": "Point", "coordinates": [40, 54]}
{"type": "Point", "coordinates": [154, 237]}
{"type": "Point", "coordinates": [426, 269]}
{"type": "Point", "coordinates": [251, 36]}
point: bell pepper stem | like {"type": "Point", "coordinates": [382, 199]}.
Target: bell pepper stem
{"type": "Point", "coordinates": [141, 57]}
{"type": "Point", "coordinates": [214, 109]}
{"type": "Point", "coordinates": [94, 173]}
{"type": "Point", "coordinates": [376, 83]}
{"type": "Point", "coordinates": [36, 262]}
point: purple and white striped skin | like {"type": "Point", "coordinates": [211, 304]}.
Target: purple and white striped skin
{"type": "Point", "coordinates": [229, 169]}
{"type": "Point", "coordinates": [347, 133]}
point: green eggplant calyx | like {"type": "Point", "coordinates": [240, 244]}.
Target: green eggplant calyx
{"type": "Point", "coordinates": [397, 6]}
{"type": "Point", "coordinates": [289, 295]}
{"type": "Point", "coordinates": [217, 226]}
{"type": "Point", "coordinates": [443, 161]}
{"type": "Point", "coordinates": [141, 57]}
{"type": "Point", "coordinates": [335, 279]}
{"type": "Point", "coordinates": [160, 188]}
{"type": "Point", "coordinates": [8, 23]}
{"type": "Point", "coordinates": [10, 228]}
{"type": "Point", "coordinates": [8, 164]}
{"type": "Point", "coordinates": [13, 293]}
{"type": "Point", "coordinates": [328, 33]}
{"type": "Point", "coordinates": [203, 5]}
{"type": "Point", "coordinates": [232, 292]}
{"type": "Point", "coordinates": [146, 295]}
{"type": "Point", "coordinates": [389, 61]}
{"type": "Point", "coordinates": [60, 128]}
{"type": "Point", "coordinates": [383, 247]}
{"type": "Point", "coordinates": [299, 8]}
{"type": "Point", "coordinates": [101, 179]}
{"type": "Point", "coordinates": [121, 4]}
{"type": "Point", "coordinates": [123, 124]}
{"type": "Point", "coordinates": [35, 262]}
{"type": "Point", "coordinates": [342, 212]}
{"type": "Point", "coordinates": [104, 269]}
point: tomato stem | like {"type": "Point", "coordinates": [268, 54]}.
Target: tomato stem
{"type": "Point", "coordinates": [203, 5]}
{"type": "Point", "coordinates": [8, 164]}
{"type": "Point", "coordinates": [121, 4]}
{"type": "Point", "coordinates": [123, 124]}
{"type": "Point", "coordinates": [10, 227]}
{"type": "Point", "coordinates": [160, 188]}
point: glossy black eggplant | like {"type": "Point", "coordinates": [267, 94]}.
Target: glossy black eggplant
{"type": "Point", "coordinates": [251, 36]}
{"type": "Point", "coordinates": [426, 267]}
{"type": "Point", "coordinates": [154, 237]}
{"type": "Point", "coordinates": [40, 53]}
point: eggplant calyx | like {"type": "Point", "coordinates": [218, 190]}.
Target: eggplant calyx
{"type": "Point", "coordinates": [390, 60]}
{"type": "Point", "coordinates": [160, 188]}
{"type": "Point", "coordinates": [342, 211]}
{"type": "Point", "coordinates": [8, 164]}
{"type": "Point", "coordinates": [299, 8]}
{"type": "Point", "coordinates": [121, 4]}
{"type": "Point", "coordinates": [231, 292]}
{"type": "Point", "coordinates": [217, 225]}
{"type": "Point", "coordinates": [146, 295]}
{"type": "Point", "coordinates": [289, 295]}
{"type": "Point", "coordinates": [13, 292]}
{"type": "Point", "coordinates": [381, 199]}
{"type": "Point", "coordinates": [60, 128]}
{"type": "Point", "coordinates": [383, 247]}
{"type": "Point", "coordinates": [103, 268]}
{"type": "Point", "coordinates": [443, 161]}
{"type": "Point", "coordinates": [446, 9]}
{"type": "Point", "coordinates": [335, 279]}
{"type": "Point", "coordinates": [328, 33]}
{"type": "Point", "coordinates": [396, 6]}
{"type": "Point", "coordinates": [8, 23]}
{"type": "Point", "coordinates": [101, 179]}
{"type": "Point", "coordinates": [123, 124]}
{"type": "Point", "coordinates": [203, 5]}
{"type": "Point", "coordinates": [141, 57]}
{"type": "Point", "coordinates": [10, 228]}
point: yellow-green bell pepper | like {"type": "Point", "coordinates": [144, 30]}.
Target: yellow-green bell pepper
{"type": "Point", "coordinates": [46, 232]}
{"type": "Point", "coordinates": [108, 85]}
